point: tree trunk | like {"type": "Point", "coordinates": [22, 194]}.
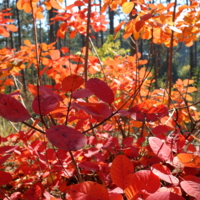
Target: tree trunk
{"type": "Point", "coordinates": [111, 21]}
{"type": "Point", "coordinates": [18, 47]}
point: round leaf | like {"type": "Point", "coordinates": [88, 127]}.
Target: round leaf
{"type": "Point", "coordinates": [100, 89]}
{"type": "Point", "coordinates": [66, 138]}
{"type": "Point", "coordinates": [88, 190]}
{"type": "Point", "coordinates": [191, 185]}
{"type": "Point", "coordinates": [143, 182]}
{"type": "Point", "coordinates": [12, 110]}
{"type": "Point", "coordinates": [164, 173]}
{"type": "Point", "coordinates": [72, 82]}
{"type": "Point", "coordinates": [127, 7]}
{"type": "Point", "coordinates": [161, 150]}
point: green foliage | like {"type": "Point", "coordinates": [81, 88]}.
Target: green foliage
{"type": "Point", "coordinates": [111, 48]}
{"type": "Point", "coordinates": [183, 72]}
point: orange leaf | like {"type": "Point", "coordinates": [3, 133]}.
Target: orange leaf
{"type": "Point", "coordinates": [55, 4]}
{"type": "Point", "coordinates": [191, 89]}
{"type": "Point", "coordinates": [139, 25]}
{"type": "Point", "coordinates": [55, 54]}
{"type": "Point", "coordinates": [121, 167]}
{"type": "Point", "coordinates": [27, 7]}
{"type": "Point", "coordinates": [4, 32]}
{"type": "Point", "coordinates": [117, 29]}
{"type": "Point", "coordinates": [11, 27]}
{"type": "Point", "coordinates": [127, 7]}
{"type": "Point", "coordinates": [104, 7]}
{"type": "Point", "coordinates": [189, 160]}
{"type": "Point", "coordinates": [88, 190]}
{"type": "Point", "coordinates": [27, 43]}
{"type": "Point", "coordinates": [20, 5]}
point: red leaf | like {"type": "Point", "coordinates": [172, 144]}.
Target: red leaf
{"type": "Point", "coordinates": [148, 111]}
{"type": "Point", "coordinates": [12, 110]}
{"type": "Point", "coordinates": [164, 173]}
{"type": "Point", "coordinates": [33, 193]}
{"type": "Point", "coordinates": [3, 159]}
{"type": "Point", "coordinates": [66, 138]}
{"type": "Point", "coordinates": [111, 143]}
{"type": "Point", "coordinates": [142, 182]}
{"type": "Point", "coordinates": [164, 196]}
{"type": "Point", "coordinates": [5, 178]}
{"type": "Point", "coordinates": [72, 82]}
{"type": "Point", "coordinates": [146, 16]}
{"type": "Point", "coordinates": [47, 104]}
{"type": "Point", "coordinates": [89, 166]}
{"type": "Point", "coordinates": [176, 142]}
{"type": "Point", "coordinates": [79, 3]}
{"type": "Point", "coordinates": [139, 25]}
{"type": "Point", "coordinates": [160, 149]}
{"type": "Point", "coordinates": [88, 191]}
{"type": "Point", "coordinates": [115, 196]}
{"type": "Point", "coordinates": [81, 93]}
{"type": "Point", "coordinates": [128, 141]}
{"type": "Point", "coordinates": [121, 167]}
{"type": "Point", "coordinates": [7, 149]}
{"type": "Point", "coordinates": [96, 109]}
{"type": "Point", "coordinates": [100, 89]}
{"type": "Point", "coordinates": [161, 129]}
{"type": "Point", "coordinates": [191, 185]}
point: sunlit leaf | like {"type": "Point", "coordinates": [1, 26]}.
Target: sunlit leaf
{"type": "Point", "coordinates": [148, 111]}
{"type": "Point", "coordinates": [164, 196]}
{"type": "Point", "coordinates": [189, 160]}
{"type": "Point", "coordinates": [127, 7]}
{"type": "Point", "coordinates": [55, 54]}
{"type": "Point", "coordinates": [164, 173]}
{"type": "Point", "coordinates": [191, 185]}
{"type": "Point", "coordinates": [55, 4]}
{"type": "Point", "coordinates": [121, 167]}
{"type": "Point", "coordinates": [160, 149]}
{"type": "Point", "coordinates": [88, 190]}
{"type": "Point", "coordinates": [143, 182]}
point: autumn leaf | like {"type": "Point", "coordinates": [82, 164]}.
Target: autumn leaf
{"type": "Point", "coordinates": [121, 167]}
{"type": "Point", "coordinates": [66, 138]}
{"type": "Point", "coordinates": [88, 190]}
{"type": "Point", "coordinates": [12, 110]}
{"type": "Point", "coordinates": [127, 7]}
{"type": "Point", "coordinates": [100, 89]}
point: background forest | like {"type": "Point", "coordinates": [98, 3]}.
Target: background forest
{"type": "Point", "coordinates": [185, 60]}
{"type": "Point", "coordinates": [99, 100]}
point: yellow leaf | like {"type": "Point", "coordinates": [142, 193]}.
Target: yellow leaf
{"type": "Point", "coordinates": [127, 7]}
